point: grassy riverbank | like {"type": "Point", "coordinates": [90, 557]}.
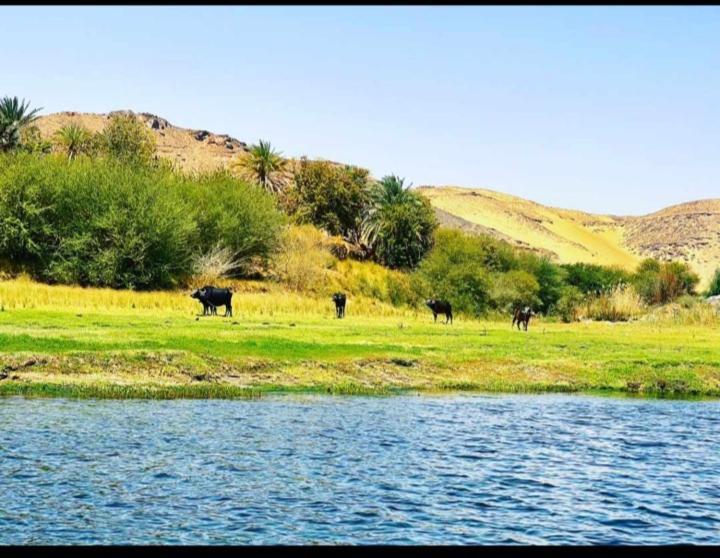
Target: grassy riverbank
{"type": "Point", "coordinates": [64, 341]}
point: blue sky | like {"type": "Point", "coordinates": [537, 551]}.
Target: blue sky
{"type": "Point", "coordinates": [605, 109]}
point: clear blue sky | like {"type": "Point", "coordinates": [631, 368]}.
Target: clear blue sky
{"type": "Point", "coordinates": [605, 109]}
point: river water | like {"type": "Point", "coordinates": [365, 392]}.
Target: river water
{"type": "Point", "coordinates": [451, 469]}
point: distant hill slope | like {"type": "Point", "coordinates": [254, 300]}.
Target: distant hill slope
{"type": "Point", "coordinates": [689, 231]}
{"type": "Point", "coordinates": [190, 150]}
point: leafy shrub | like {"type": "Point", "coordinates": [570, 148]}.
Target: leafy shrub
{"type": "Point", "coordinates": [515, 288]}
{"type": "Point", "coordinates": [235, 215]}
{"type": "Point", "coordinates": [568, 307]}
{"type": "Point", "coordinates": [454, 270]}
{"type": "Point", "coordinates": [127, 139]}
{"type": "Point", "coordinates": [594, 279]}
{"type": "Point", "coordinates": [662, 282]}
{"type": "Point", "coordinates": [93, 222]}
{"type": "Point", "coordinates": [329, 196]}
{"type": "Point", "coordinates": [104, 223]}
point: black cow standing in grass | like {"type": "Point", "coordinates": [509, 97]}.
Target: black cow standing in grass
{"type": "Point", "coordinates": [440, 307]}
{"type": "Point", "coordinates": [522, 316]}
{"type": "Point", "coordinates": [212, 297]}
{"type": "Point", "coordinates": [339, 299]}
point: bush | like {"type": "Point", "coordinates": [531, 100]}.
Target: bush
{"type": "Point", "coordinates": [329, 196]}
{"type": "Point", "coordinates": [93, 222]}
{"type": "Point", "coordinates": [235, 215]}
{"type": "Point", "coordinates": [594, 279]}
{"type": "Point", "coordinates": [515, 288]}
{"type": "Point", "coordinates": [126, 139]}
{"type": "Point", "coordinates": [550, 278]}
{"type": "Point", "coordinates": [453, 270]}
{"type": "Point", "coordinates": [569, 305]}
{"type": "Point", "coordinates": [662, 282]}
{"type": "Point", "coordinates": [104, 223]}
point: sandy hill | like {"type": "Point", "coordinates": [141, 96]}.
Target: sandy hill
{"type": "Point", "coordinates": [688, 232]}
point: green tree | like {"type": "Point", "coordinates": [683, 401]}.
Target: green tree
{"type": "Point", "coordinates": [14, 117]}
{"type": "Point", "coordinates": [595, 279]}
{"type": "Point", "coordinates": [330, 196]}
{"type": "Point", "coordinates": [263, 164]}
{"type": "Point", "coordinates": [454, 270]}
{"type": "Point", "coordinates": [515, 288]}
{"type": "Point", "coordinates": [128, 140]}
{"type": "Point", "coordinates": [549, 276]}
{"type": "Point", "coordinates": [398, 224]}
{"type": "Point", "coordinates": [74, 140]}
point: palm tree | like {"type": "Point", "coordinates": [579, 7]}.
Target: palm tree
{"type": "Point", "coordinates": [74, 139]}
{"type": "Point", "coordinates": [262, 165]}
{"type": "Point", "coordinates": [390, 191]}
{"type": "Point", "coordinates": [14, 116]}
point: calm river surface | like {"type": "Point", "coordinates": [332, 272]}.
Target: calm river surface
{"type": "Point", "coordinates": [460, 469]}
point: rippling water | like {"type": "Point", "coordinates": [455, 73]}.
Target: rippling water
{"type": "Point", "coordinates": [357, 470]}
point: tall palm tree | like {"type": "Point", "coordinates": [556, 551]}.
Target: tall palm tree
{"type": "Point", "coordinates": [263, 164]}
{"type": "Point", "coordinates": [74, 139]}
{"type": "Point", "coordinates": [14, 116]}
{"type": "Point", "coordinates": [390, 191]}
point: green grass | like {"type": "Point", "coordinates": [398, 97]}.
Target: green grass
{"type": "Point", "coordinates": [122, 353]}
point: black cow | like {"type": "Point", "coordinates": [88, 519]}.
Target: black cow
{"type": "Point", "coordinates": [440, 307]}
{"type": "Point", "coordinates": [522, 316]}
{"type": "Point", "coordinates": [339, 300]}
{"type": "Point", "coordinates": [212, 297]}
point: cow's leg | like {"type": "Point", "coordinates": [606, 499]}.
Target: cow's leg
{"type": "Point", "coordinates": [228, 310]}
{"type": "Point", "coordinates": [435, 317]}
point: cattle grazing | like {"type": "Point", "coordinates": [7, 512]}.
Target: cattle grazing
{"type": "Point", "coordinates": [339, 300]}
{"type": "Point", "coordinates": [212, 297]}
{"type": "Point", "coordinates": [522, 316]}
{"type": "Point", "coordinates": [440, 307]}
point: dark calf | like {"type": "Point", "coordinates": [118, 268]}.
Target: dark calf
{"type": "Point", "coordinates": [212, 297]}
{"type": "Point", "coordinates": [339, 300]}
{"type": "Point", "coordinates": [440, 307]}
{"type": "Point", "coordinates": [522, 316]}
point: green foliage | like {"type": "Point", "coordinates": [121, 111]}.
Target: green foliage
{"type": "Point", "coordinates": [454, 270]}
{"type": "Point", "coordinates": [398, 224]}
{"type": "Point", "coordinates": [74, 139]}
{"type": "Point", "coordinates": [128, 140]}
{"type": "Point", "coordinates": [568, 305]}
{"type": "Point", "coordinates": [594, 279]}
{"type": "Point", "coordinates": [15, 116]}
{"type": "Point", "coordinates": [263, 165]}
{"type": "Point", "coordinates": [549, 276]}
{"type": "Point", "coordinates": [515, 288]}
{"type": "Point", "coordinates": [233, 214]}
{"type": "Point", "coordinates": [104, 223]}
{"type": "Point", "coordinates": [714, 287]}
{"type": "Point", "coordinates": [661, 282]}
{"type": "Point", "coordinates": [330, 197]}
